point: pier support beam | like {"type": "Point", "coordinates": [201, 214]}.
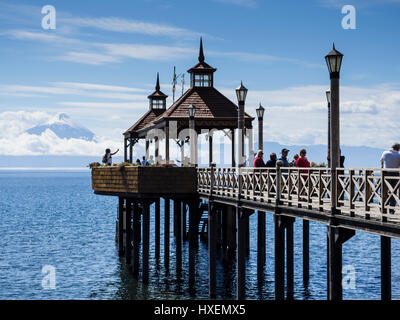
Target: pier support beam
{"type": "Point", "coordinates": [136, 239]}
{"type": "Point", "coordinates": [212, 249]}
{"type": "Point", "coordinates": [146, 241]}
{"type": "Point", "coordinates": [157, 229]}
{"type": "Point", "coordinates": [289, 258]}
{"type": "Point", "coordinates": [279, 258]}
{"type": "Point", "coordinates": [192, 241]}
{"type": "Point", "coordinates": [166, 233]}
{"type": "Point", "coordinates": [241, 254]}
{"type": "Point", "coordinates": [128, 231]}
{"type": "Point", "coordinates": [336, 237]}
{"type": "Point", "coordinates": [178, 238]}
{"type": "Point", "coordinates": [121, 203]}
{"type": "Point", "coordinates": [386, 269]}
{"type": "Point", "coordinates": [306, 252]}
{"type": "Point", "coordinates": [260, 243]}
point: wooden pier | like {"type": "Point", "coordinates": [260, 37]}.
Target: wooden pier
{"type": "Point", "coordinates": [365, 198]}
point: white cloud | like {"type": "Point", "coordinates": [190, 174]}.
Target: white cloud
{"type": "Point", "coordinates": [89, 58]}
{"type": "Point", "coordinates": [117, 24]}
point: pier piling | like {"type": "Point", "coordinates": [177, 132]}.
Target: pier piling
{"type": "Point", "coordinates": [136, 244]}
{"type": "Point", "coordinates": [157, 228]}
{"type": "Point", "coordinates": [128, 231]}
{"type": "Point", "coordinates": [178, 238]}
{"type": "Point", "coordinates": [241, 254]}
{"type": "Point", "coordinates": [306, 252]}
{"type": "Point", "coordinates": [146, 241]}
{"type": "Point", "coordinates": [166, 233]}
{"type": "Point", "coordinates": [386, 266]}
{"type": "Point", "coordinates": [261, 242]}
{"type": "Point", "coordinates": [279, 257]}
{"type": "Point", "coordinates": [289, 259]}
{"type": "Point", "coordinates": [192, 242]}
{"type": "Point", "coordinates": [121, 204]}
{"type": "Point", "coordinates": [212, 248]}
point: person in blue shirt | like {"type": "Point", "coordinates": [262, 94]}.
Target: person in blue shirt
{"type": "Point", "coordinates": [284, 159]}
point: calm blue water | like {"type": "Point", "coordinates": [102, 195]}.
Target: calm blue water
{"type": "Point", "coordinates": [53, 218]}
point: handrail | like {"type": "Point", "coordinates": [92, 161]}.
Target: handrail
{"type": "Point", "coordinates": [362, 192]}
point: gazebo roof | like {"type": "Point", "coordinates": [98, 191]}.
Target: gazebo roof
{"type": "Point", "coordinates": [146, 120]}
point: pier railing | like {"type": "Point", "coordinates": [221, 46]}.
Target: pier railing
{"type": "Point", "coordinates": [362, 192]}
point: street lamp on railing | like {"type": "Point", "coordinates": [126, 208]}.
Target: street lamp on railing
{"type": "Point", "coordinates": [260, 115]}
{"type": "Point", "coordinates": [241, 93]}
{"type": "Point", "coordinates": [334, 63]}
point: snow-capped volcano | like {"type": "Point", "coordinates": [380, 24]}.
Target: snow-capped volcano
{"type": "Point", "coordinates": [64, 128]}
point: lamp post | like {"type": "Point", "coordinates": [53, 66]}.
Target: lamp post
{"type": "Point", "coordinates": [260, 115]}
{"type": "Point", "coordinates": [334, 62]}
{"type": "Point", "coordinates": [241, 93]}
{"type": "Point", "coordinates": [192, 113]}
{"type": "Point", "coordinates": [328, 98]}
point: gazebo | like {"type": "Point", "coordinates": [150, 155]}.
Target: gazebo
{"type": "Point", "coordinates": [213, 111]}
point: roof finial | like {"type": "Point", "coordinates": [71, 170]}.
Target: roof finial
{"type": "Point", "coordinates": [334, 46]}
{"type": "Point", "coordinates": [158, 83]}
{"type": "Point", "coordinates": [201, 54]}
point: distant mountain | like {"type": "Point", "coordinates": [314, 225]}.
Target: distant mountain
{"type": "Point", "coordinates": [64, 128]}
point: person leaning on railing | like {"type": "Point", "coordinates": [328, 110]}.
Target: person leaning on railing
{"type": "Point", "coordinates": [302, 162]}
{"type": "Point", "coordinates": [390, 159]}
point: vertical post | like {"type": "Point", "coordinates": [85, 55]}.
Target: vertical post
{"type": "Point", "coordinates": [136, 239]}
{"type": "Point", "coordinates": [184, 221]}
{"type": "Point", "coordinates": [121, 226]}
{"type": "Point", "coordinates": [241, 254]}
{"type": "Point", "coordinates": [212, 249]}
{"type": "Point", "coordinates": [166, 233]}
{"type": "Point", "coordinates": [130, 149]}
{"type": "Point", "coordinates": [167, 142]}
{"type": "Point", "coordinates": [279, 257]}
{"type": "Point", "coordinates": [306, 251]}
{"type": "Point", "coordinates": [193, 142]}
{"type": "Point", "coordinates": [157, 228]}
{"type": "Point", "coordinates": [178, 238]}
{"type": "Point", "coordinates": [250, 157]}
{"type": "Point", "coordinates": [125, 149]}
{"type": "Point", "coordinates": [147, 149]}
{"type": "Point", "coordinates": [335, 138]}
{"type": "Point", "coordinates": [233, 147]}
{"type": "Point", "coordinates": [210, 148]}
{"type": "Point", "coordinates": [192, 241]}
{"type": "Point", "coordinates": [156, 149]}
{"type": "Point", "coordinates": [386, 266]}
{"type": "Point", "coordinates": [182, 147]}
{"type": "Point", "coordinates": [329, 134]}
{"type": "Point", "coordinates": [335, 264]}
{"type": "Point", "coordinates": [260, 243]}
{"type": "Point", "coordinates": [146, 240]}
{"type": "Point", "coordinates": [289, 258]}
{"type": "Point", "coordinates": [128, 231]}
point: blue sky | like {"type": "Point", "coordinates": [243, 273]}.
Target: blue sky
{"type": "Point", "coordinates": [100, 63]}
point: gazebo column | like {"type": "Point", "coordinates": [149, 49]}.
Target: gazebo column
{"type": "Point", "coordinates": [233, 147]}
{"type": "Point", "coordinates": [156, 149]}
{"type": "Point", "coordinates": [130, 149]}
{"type": "Point", "coordinates": [210, 149]}
{"type": "Point", "coordinates": [125, 149]}
{"type": "Point", "coordinates": [167, 142]}
{"type": "Point", "coordinates": [250, 148]}
{"type": "Point", "coordinates": [147, 149]}
{"type": "Point", "coordinates": [182, 151]}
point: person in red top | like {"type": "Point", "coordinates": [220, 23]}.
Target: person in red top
{"type": "Point", "coordinates": [302, 161]}
{"type": "Point", "coordinates": [258, 160]}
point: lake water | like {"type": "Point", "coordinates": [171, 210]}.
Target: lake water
{"type": "Point", "coordinates": [52, 218]}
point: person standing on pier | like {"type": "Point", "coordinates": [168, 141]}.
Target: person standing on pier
{"type": "Point", "coordinates": [107, 158]}
{"type": "Point", "coordinates": [258, 160]}
{"type": "Point", "coordinates": [271, 163]}
{"type": "Point", "coordinates": [294, 162]}
{"type": "Point", "coordinates": [391, 160]}
{"type": "Point", "coordinates": [284, 159]}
